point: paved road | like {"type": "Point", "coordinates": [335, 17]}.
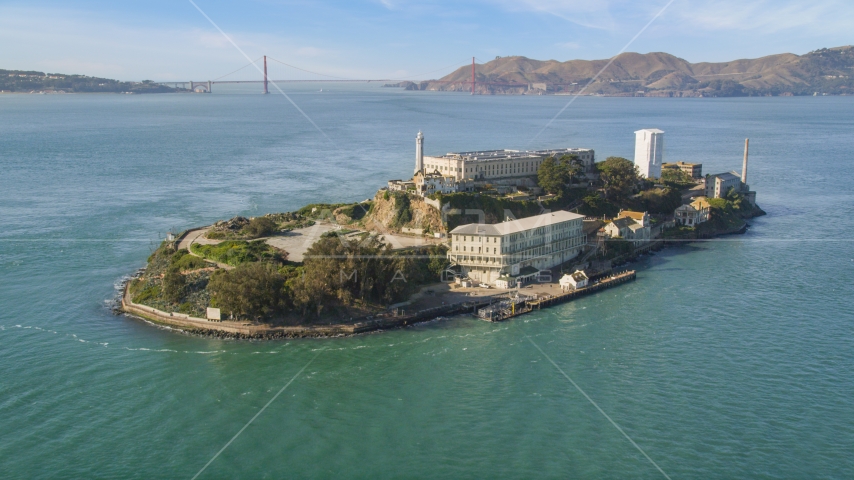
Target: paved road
{"type": "Point", "coordinates": [197, 236]}
{"type": "Point", "coordinates": [297, 241]}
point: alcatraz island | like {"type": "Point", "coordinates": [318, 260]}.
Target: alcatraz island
{"type": "Point", "coordinates": [494, 233]}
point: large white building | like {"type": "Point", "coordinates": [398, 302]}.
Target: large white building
{"type": "Point", "coordinates": [649, 152]}
{"type": "Point", "coordinates": [516, 250]}
{"type": "Point", "coordinates": [494, 164]}
{"type": "Point", "coordinates": [498, 164]}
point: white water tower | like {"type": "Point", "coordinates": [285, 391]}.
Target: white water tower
{"type": "Point", "coordinates": [649, 152]}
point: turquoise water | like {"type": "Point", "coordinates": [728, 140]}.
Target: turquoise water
{"type": "Point", "coordinates": [725, 359]}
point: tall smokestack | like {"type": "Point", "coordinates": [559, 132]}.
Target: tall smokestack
{"type": "Point", "coordinates": [744, 165]}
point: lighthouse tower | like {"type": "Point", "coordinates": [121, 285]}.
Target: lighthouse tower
{"type": "Point", "coordinates": [419, 152]}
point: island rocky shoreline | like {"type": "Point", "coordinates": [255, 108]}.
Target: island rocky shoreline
{"type": "Point", "coordinates": [409, 255]}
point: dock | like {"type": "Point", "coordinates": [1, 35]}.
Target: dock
{"type": "Point", "coordinates": [521, 304]}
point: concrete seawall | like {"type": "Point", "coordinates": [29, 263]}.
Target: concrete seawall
{"type": "Point", "coordinates": [229, 329]}
{"type": "Point", "coordinates": [244, 330]}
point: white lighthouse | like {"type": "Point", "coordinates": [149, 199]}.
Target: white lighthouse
{"type": "Point", "coordinates": [649, 152]}
{"type": "Point", "coordinates": [419, 152]}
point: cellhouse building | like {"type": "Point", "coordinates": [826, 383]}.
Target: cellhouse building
{"type": "Point", "coordinates": [649, 152]}
{"type": "Point", "coordinates": [511, 252]}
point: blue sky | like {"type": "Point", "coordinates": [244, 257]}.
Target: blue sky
{"type": "Point", "coordinates": [171, 40]}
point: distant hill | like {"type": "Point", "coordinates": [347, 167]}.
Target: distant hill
{"type": "Point", "coordinates": [29, 81]}
{"type": "Point", "coordinates": [826, 71]}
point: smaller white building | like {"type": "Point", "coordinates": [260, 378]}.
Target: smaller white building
{"type": "Point", "coordinates": [400, 185]}
{"type": "Point", "coordinates": [694, 213]}
{"type": "Point", "coordinates": [632, 226]}
{"type": "Point", "coordinates": [429, 183]}
{"type": "Point", "coordinates": [718, 185]}
{"type": "Point", "coordinates": [649, 152]}
{"type": "Point", "coordinates": [574, 281]}
{"type": "Point", "coordinates": [505, 282]}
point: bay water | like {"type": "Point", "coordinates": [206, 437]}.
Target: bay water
{"type": "Point", "coordinates": [731, 358]}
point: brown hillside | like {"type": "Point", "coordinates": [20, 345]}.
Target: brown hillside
{"type": "Point", "coordinates": [658, 71]}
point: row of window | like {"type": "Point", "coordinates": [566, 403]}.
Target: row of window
{"type": "Point", "coordinates": [526, 253]}
{"type": "Point", "coordinates": [527, 167]}
{"type": "Point", "coordinates": [503, 260]}
{"type": "Point", "coordinates": [539, 231]}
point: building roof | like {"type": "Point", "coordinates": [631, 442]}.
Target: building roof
{"type": "Point", "coordinates": [650, 130]}
{"type": "Point", "coordinates": [579, 276]}
{"type": "Point", "coordinates": [496, 155]}
{"type": "Point", "coordinates": [726, 176]}
{"type": "Point", "coordinates": [631, 214]}
{"type": "Point", "coordinates": [516, 226]}
{"type": "Point", "coordinates": [622, 222]}
{"type": "Point", "coordinates": [686, 164]}
{"type": "Point", "coordinates": [701, 203]}
{"type": "Point", "coordinates": [529, 270]}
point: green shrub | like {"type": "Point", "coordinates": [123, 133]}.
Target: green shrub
{"type": "Point", "coordinates": [183, 261]}
{"type": "Point", "coordinates": [236, 252]}
{"type": "Point", "coordinates": [189, 262]}
{"type": "Point", "coordinates": [402, 213]}
{"type": "Point", "coordinates": [174, 286]}
{"type": "Point", "coordinates": [319, 209]}
{"type": "Point", "coordinates": [356, 211]}
{"type": "Point", "coordinates": [146, 294]}
{"type": "Point", "coordinates": [260, 227]}
{"type": "Point", "coordinates": [657, 200]}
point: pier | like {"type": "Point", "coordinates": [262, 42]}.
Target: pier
{"type": "Point", "coordinates": [521, 304]}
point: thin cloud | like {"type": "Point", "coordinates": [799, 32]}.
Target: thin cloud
{"type": "Point", "coordinates": [763, 16]}
{"type": "Point", "coordinates": [585, 13]}
{"type": "Point", "coordinates": [67, 41]}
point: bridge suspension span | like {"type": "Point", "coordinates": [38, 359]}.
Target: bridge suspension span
{"type": "Point", "coordinates": [207, 85]}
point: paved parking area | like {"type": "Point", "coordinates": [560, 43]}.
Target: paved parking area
{"type": "Point", "coordinates": [297, 241]}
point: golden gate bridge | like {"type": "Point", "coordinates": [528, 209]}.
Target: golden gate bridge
{"type": "Point", "coordinates": [207, 85]}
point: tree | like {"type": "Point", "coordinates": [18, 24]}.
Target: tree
{"type": "Point", "coordinates": [252, 290]}
{"type": "Point", "coordinates": [341, 274]}
{"type": "Point", "coordinates": [658, 200]}
{"type": "Point", "coordinates": [619, 177]}
{"type": "Point", "coordinates": [573, 166]}
{"type": "Point", "coordinates": [675, 176]}
{"type": "Point", "coordinates": [596, 206]}
{"type": "Point", "coordinates": [551, 177]}
{"type": "Point", "coordinates": [260, 227]}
